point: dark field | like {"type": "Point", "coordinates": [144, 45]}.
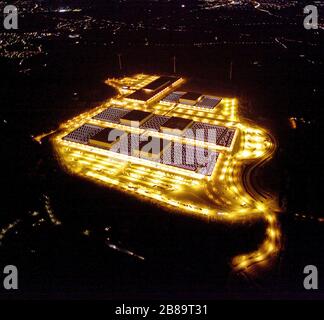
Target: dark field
{"type": "Point", "coordinates": [184, 257]}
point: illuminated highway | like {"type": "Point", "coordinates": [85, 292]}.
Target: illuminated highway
{"type": "Point", "coordinates": [228, 195]}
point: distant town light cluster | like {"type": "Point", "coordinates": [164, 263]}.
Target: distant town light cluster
{"type": "Point", "coordinates": [20, 46]}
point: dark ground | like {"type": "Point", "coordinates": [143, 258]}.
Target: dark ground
{"type": "Point", "coordinates": [185, 257]}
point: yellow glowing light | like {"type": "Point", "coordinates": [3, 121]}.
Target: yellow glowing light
{"type": "Point", "coordinates": [220, 196]}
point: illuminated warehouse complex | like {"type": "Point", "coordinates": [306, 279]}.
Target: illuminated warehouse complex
{"type": "Point", "coordinates": [184, 150]}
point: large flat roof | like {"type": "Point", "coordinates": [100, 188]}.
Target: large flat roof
{"type": "Point", "coordinates": [193, 96]}
{"type": "Point", "coordinates": [141, 95]}
{"type": "Point", "coordinates": [106, 137]}
{"type": "Point", "coordinates": [156, 84]}
{"type": "Point", "coordinates": [176, 123]}
{"type": "Point", "coordinates": [136, 117]}
{"type": "Point", "coordinates": [150, 90]}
